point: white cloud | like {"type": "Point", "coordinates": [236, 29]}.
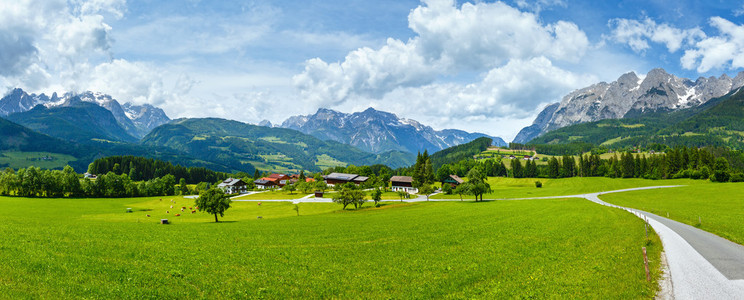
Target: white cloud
{"type": "Point", "coordinates": [739, 12]}
{"type": "Point", "coordinates": [134, 82]}
{"type": "Point", "coordinates": [476, 37]}
{"type": "Point", "coordinates": [723, 51]}
{"type": "Point", "coordinates": [637, 34]}
{"type": "Point", "coordinates": [513, 90]}
{"type": "Point", "coordinates": [538, 5]}
{"type": "Point", "coordinates": [53, 42]}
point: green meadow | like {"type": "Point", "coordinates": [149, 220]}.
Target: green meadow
{"type": "Point", "coordinates": [44, 160]}
{"type": "Point", "coordinates": [504, 187]}
{"type": "Point", "coordinates": [92, 248]}
{"type": "Point", "coordinates": [713, 207]}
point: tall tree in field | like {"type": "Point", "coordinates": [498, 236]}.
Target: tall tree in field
{"type": "Point", "coordinates": [426, 190]}
{"type": "Point", "coordinates": [213, 201]}
{"type": "Point", "coordinates": [554, 168]}
{"type": "Point", "coordinates": [183, 188]}
{"type": "Point", "coordinates": [516, 166]}
{"type": "Point", "coordinates": [349, 194]}
{"type": "Point", "coordinates": [477, 184]}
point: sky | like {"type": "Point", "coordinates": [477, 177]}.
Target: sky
{"type": "Point", "coordinates": [485, 66]}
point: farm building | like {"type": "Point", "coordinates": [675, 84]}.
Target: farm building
{"type": "Point", "coordinates": [453, 180]}
{"type": "Point", "coordinates": [403, 183]}
{"type": "Point", "coordinates": [264, 184]}
{"type": "Point", "coordinates": [341, 178]}
{"type": "Point", "coordinates": [279, 180]}
{"type": "Point", "coordinates": [233, 186]}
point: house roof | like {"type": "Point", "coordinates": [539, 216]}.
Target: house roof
{"type": "Point", "coordinates": [457, 178]}
{"type": "Point", "coordinates": [262, 181]}
{"type": "Point", "coordinates": [340, 176]}
{"type": "Point", "coordinates": [231, 182]}
{"type": "Point", "coordinates": [277, 176]}
{"type": "Point", "coordinates": [360, 178]}
{"type": "Point", "coordinates": [408, 179]}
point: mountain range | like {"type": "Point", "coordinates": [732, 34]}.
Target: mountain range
{"type": "Point", "coordinates": [629, 96]}
{"type": "Point", "coordinates": [136, 120]}
{"type": "Point", "coordinates": [717, 122]}
{"type": "Point", "coordinates": [378, 131]}
{"type": "Point", "coordinates": [90, 125]}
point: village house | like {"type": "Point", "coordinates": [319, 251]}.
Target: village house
{"type": "Point", "coordinates": [263, 184]}
{"type": "Point", "coordinates": [341, 178]}
{"type": "Point", "coordinates": [403, 183]}
{"type": "Point", "coordinates": [273, 180]}
{"type": "Point", "coordinates": [453, 181]}
{"type": "Point", "coordinates": [233, 186]}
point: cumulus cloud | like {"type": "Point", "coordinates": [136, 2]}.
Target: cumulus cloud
{"type": "Point", "coordinates": [637, 34]}
{"type": "Point", "coordinates": [478, 37]}
{"type": "Point", "coordinates": [17, 53]}
{"type": "Point", "coordinates": [702, 51]}
{"type": "Point", "coordinates": [513, 90]}
{"type": "Point", "coordinates": [723, 51]}
{"type": "Point", "coordinates": [58, 45]}
{"type": "Point", "coordinates": [134, 82]}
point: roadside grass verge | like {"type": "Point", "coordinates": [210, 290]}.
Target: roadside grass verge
{"type": "Point", "coordinates": [719, 206]}
{"type": "Point", "coordinates": [91, 248]}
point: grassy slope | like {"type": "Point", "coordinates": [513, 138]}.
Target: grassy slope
{"type": "Point", "coordinates": [17, 159]}
{"type": "Point", "coordinates": [719, 206]}
{"type": "Point", "coordinates": [525, 187]}
{"type": "Point", "coordinates": [89, 248]}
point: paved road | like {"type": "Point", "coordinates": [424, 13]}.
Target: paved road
{"type": "Point", "coordinates": [702, 265]}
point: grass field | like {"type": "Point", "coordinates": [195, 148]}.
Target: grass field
{"type": "Point", "coordinates": [273, 195]}
{"type": "Point", "coordinates": [44, 160]}
{"type": "Point", "coordinates": [90, 248]}
{"type": "Point", "coordinates": [325, 161]}
{"type": "Point", "coordinates": [720, 206]}
{"type": "Point", "coordinates": [525, 187]}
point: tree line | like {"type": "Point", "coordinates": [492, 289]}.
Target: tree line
{"type": "Point", "coordinates": [35, 182]}
{"type": "Point", "coordinates": [140, 168]}
{"type": "Point", "coordinates": [716, 164]}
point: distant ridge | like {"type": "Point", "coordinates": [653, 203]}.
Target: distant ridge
{"type": "Point", "coordinates": [378, 131]}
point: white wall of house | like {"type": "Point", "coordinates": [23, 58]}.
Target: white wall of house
{"type": "Point", "coordinates": [407, 189]}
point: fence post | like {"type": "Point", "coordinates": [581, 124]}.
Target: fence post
{"type": "Point", "coordinates": [645, 262]}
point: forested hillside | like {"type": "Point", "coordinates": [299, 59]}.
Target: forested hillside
{"type": "Point", "coordinates": [245, 146]}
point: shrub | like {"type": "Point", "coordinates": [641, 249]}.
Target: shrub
{"type": "Point", "coordinates": [538, 184]}
{"type": "Point", "coordinates": [738, 177]}
{"type": "Point", "coordinates": [447, 189]}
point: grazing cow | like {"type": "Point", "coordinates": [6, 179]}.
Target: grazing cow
{"type": "Point", "coordinates": [193, 211]}
{"type": "Point", "coordinates": [181, 209]}
{"type": "Point", "coordinates": [148, 216]}
{"type": "Point", "coordinates": [167, 211]}
{"type": "Point", "coordinates": [178, 215]}
{"type": "Point", "coordinates": [171, 206]}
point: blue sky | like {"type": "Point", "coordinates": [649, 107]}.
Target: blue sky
{"type": "Point", "coordinates": [475, 65]}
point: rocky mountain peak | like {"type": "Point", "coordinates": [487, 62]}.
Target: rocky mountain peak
{"type": "Point", "coordinates": [136, 120]}
{"type": "Point", "coordinates": [378, 131]}
{"type": "Point", "coordinates": [629, 96]}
